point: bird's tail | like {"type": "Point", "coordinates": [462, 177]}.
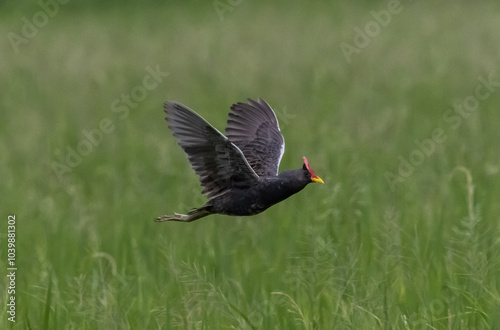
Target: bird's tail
{"type": "Point", "coordinates": [192, 215]}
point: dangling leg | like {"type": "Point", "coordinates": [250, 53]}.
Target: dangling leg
{"type": "Point", "coordinates": [191, 216]}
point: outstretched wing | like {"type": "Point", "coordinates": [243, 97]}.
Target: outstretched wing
{"type": "Point", "coordinates": [219, 163]}
{"type": "Point", "coordinates": [254, 128]}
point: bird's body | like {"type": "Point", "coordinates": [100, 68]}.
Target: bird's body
{"type": "Point", "coordinates": [239, 172]}
{"type": "Point", "coordinates": [258, 198]}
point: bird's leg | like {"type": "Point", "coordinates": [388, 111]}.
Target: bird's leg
{"type": "Point", "coordinates": [191, 216]}
{"type": "Point", "coordinates": [175, 217]}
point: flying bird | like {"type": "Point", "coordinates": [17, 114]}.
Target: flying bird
{"type": "Point", "coordinates": [238, 171]}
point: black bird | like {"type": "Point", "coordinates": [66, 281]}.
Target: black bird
{"type": "Point", "coordinates": [239, 171]}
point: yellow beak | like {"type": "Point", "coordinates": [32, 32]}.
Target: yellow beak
{"type": "Point", "coordinates": [316, 179]}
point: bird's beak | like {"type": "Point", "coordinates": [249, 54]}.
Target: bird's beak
{"type": "Point", "coordinates": [316, 179]}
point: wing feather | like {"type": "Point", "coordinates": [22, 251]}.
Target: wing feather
{"type": "Point", "coordinates": [254, 128]}
{"type": "Point", "coordinates": [219, 163]}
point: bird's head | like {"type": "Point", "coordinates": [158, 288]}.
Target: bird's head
{"type": "Point", "coordinates": [310, 172]}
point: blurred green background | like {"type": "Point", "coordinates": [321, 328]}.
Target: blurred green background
{"type": "Point", "coordinates": [381, 96]}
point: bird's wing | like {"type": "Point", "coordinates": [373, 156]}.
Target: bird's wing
{"type": "Point", "coordinates": [254, 128]}
{"type": "Point", "coordinates": [219, 163]}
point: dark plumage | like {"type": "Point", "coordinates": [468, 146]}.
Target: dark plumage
{"type": "Point", "coordinates": [238, 172]}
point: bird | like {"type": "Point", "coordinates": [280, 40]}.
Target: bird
{"type": "Point", "coordinates": [238, 171]}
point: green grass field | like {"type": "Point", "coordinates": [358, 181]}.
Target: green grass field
{"type": "Point", "coordinates": [403, 129]}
